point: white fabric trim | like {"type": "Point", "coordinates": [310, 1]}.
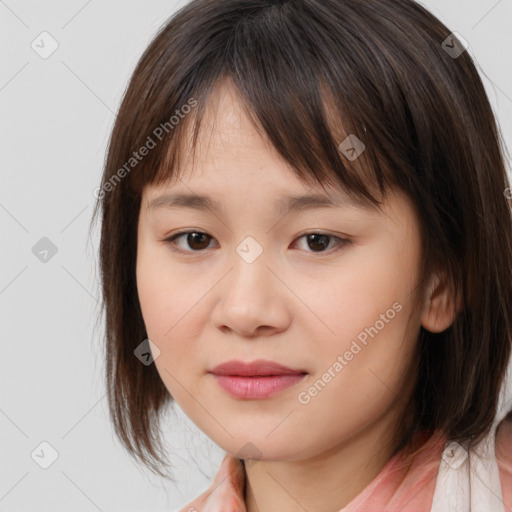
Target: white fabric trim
{"type": "Point", "coordinates": [471, 482]}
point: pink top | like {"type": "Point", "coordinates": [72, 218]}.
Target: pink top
{"type": "Point", "coordinates": [408, 489]}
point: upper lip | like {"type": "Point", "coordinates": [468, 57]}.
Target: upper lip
{"type": "Point", "coordinates": [253, 368]}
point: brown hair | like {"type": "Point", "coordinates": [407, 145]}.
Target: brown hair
{"type": "Point", "coordinates": [300, 67]}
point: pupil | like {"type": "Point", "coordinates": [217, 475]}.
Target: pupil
{"type": "Point", "coordinates": [193, 239]}
{"type": "Point", "coordinates": [314, 237]}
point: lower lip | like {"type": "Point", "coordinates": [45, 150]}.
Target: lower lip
{"type": "Point", "coordinates": [257, 387]}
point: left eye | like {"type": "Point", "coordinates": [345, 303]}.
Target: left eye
{"type": "Point", "coordinates": [198, 241]}
{"type": "Point", "coordinates": [322, 240]}
{"type": "Point", "coordinates": [194, 238]}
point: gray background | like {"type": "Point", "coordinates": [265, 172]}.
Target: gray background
{"type": "Point", "coordinates": [55, 119]}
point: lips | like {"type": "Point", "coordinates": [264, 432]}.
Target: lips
{"type": "Point", "coordinates": [258, 368]}
{"type": "Point", "coordinates": [257, 380]}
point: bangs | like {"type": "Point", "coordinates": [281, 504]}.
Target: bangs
{"type": "Point", "coordinates": [317, 116]}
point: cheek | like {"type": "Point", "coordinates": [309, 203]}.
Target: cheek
{"type": "Point", "coordinates": [162, 302]}
{"type": "Point", "coordinates": [364, 321]}
{"type": "Point", "coordinates": [360, 371]}
{"type": "Point", "coordinates": [355, 297]}
{"type": "Point", "coordinates": [153, 300]}
{"type": "Point", "coordinates": [161, 287]}
{"type": "Point", "coordinates": [170, 309]}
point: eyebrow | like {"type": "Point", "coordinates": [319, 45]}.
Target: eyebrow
{"type": "Point", "coordinates": [284, 205]}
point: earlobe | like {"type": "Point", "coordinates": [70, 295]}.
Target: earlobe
{"type": "Point", "coordinates": [439, 310]}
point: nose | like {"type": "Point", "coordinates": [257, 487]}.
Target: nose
{"type": "Point", "coordinates": [252, 300]}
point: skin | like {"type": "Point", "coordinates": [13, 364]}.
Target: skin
{"type": "Point", "coordinates": [297, 304]}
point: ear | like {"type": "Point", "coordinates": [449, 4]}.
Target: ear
{"type": "Point", "coordinates": [439, 308]}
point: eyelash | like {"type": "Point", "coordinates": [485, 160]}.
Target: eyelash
{"type": "Point", "coordinates": [341, 241]}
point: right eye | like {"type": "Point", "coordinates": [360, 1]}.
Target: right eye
{"type": "Point", "coordinates": [195, 239]}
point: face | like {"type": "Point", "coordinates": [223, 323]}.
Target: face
{"type": "Point", "coordinates": [324, 290]}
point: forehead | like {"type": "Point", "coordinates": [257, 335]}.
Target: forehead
{"type": "Point", "coordinates": [228, 133]}
{"type": "Point", "coordinates": [233, 157]}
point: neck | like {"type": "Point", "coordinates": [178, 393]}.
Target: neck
{"type": "Point", "coordinates": [326, 481]}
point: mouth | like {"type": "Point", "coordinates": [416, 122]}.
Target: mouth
{"type": "Point", "coordinates": [256, 380]}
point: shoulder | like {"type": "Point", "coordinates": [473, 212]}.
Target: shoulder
{"type": "Point", "coordinates": [504, 459]}
{"type": "Point", "coordinates": [198, 504]}
{"type": "Point", "coordinates": [226, 492]}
